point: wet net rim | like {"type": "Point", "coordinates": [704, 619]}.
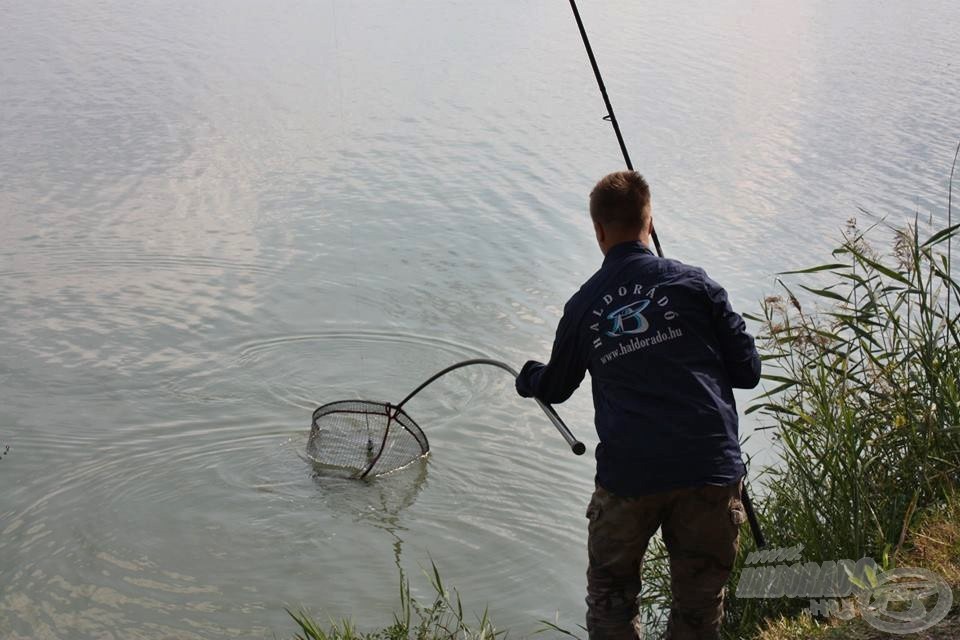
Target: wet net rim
{"type": "Point", "coordinates": [399, 416]}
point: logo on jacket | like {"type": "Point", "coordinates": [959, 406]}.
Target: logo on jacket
{"type": "Point", "coordinates": [628, 319]}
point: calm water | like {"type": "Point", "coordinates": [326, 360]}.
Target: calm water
{"type": "Point", "coordinates": [215, 216]}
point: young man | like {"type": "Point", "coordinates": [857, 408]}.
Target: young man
{"type": "Point", "coordinates": [664, 350]}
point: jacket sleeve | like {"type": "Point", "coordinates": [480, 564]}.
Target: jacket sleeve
{"type": "Point", "coordinates": [737, 347]}
{"type": "Point", "coordinates": [556, 381]}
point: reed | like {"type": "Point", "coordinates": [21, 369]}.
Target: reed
{"type": "Point", "coordinates": [866, 402]}
{"type": "Point", "coordinates": [442, 619]}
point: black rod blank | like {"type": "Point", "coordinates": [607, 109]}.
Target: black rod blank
{"type": "Point", "coordinates": [752, 518]}
{"type": "Point", "coordinates": [611, 117]}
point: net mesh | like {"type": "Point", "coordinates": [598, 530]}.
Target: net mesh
{"type": "Point", "coordinates": [364, 438]}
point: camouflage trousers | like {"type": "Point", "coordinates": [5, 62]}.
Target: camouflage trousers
{"type": "Point", "coordinates": [700, 527]}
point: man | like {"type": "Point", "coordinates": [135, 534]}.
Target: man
{"type": "Point", "coordinates": [664, 350]}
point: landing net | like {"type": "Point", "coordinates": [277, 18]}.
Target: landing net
{"type": "Point", "coordinates": [364, 438]}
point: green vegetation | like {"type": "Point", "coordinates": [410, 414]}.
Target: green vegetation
{"type": "Point", "coordinates": [866, 403]}
{"type": "Point", "coordinates": [866, 407]}
{"type": "Point", "coordinates": [442, 619]}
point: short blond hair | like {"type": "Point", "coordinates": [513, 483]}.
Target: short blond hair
{"type": "Point", "coordinates": [620, 201]}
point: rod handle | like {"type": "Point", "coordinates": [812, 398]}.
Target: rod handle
{"type": "Point", "coordinates": [575, 445]}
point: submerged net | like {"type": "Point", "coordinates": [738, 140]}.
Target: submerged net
{"type": "Point", "coordinates": [364, 438]}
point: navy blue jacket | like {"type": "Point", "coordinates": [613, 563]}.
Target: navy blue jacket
{"type": "Point", "coordinates": [664, 350]}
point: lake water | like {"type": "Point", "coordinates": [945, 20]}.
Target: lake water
{"type": "Point", "coordinates": [215, 216]}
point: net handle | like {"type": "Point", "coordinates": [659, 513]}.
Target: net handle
{"type": "Point", "coordinates": [575, 445]}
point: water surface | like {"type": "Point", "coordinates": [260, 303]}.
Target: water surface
{"type": "Point", "coordinates": [216, 216]}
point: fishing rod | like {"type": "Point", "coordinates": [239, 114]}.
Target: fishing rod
{"type": "Point", "coordinates": [611, 116]}
{"type": "Point", "coordinates": [612, 119]}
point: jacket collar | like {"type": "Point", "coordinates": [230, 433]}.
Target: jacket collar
{"type": "Point", "coordinates": [622, 250]}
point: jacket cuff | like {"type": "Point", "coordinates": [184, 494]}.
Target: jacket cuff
{"type": "Point", "coordinates": [527, 378]}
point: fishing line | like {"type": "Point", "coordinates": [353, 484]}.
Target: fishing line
{"type": "Point", "coordinates": [612, 119]}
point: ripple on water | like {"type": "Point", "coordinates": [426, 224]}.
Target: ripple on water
{"type": "Point", "coordinates": [159, 520]}
{"type": "Point", "coordinates": [172, 527]}
{"type": "Point", "coordinates": [378, 365]}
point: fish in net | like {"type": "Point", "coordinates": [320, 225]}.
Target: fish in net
{"type": "Point", "coordinates": [365, 438]}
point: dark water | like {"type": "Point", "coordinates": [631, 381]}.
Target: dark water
{"type": "Point", "coordinates": [215, 216]}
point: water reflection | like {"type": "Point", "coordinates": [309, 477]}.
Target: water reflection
{"type": "Point", "coordinates": [217, 217]}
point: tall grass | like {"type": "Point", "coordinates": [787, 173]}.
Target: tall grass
{"type": "Point", "coordinates": [865, 401]}
{"type": "Point", "coordinates": [866, 404]}
{"type": "Point", "coordinates": [442, 619]}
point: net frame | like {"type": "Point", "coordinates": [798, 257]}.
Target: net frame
{"type": "Point", "coordinates": [390, 418]}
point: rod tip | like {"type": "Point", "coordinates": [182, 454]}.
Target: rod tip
{"type": "Point", "coordinates": [579, 448]}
